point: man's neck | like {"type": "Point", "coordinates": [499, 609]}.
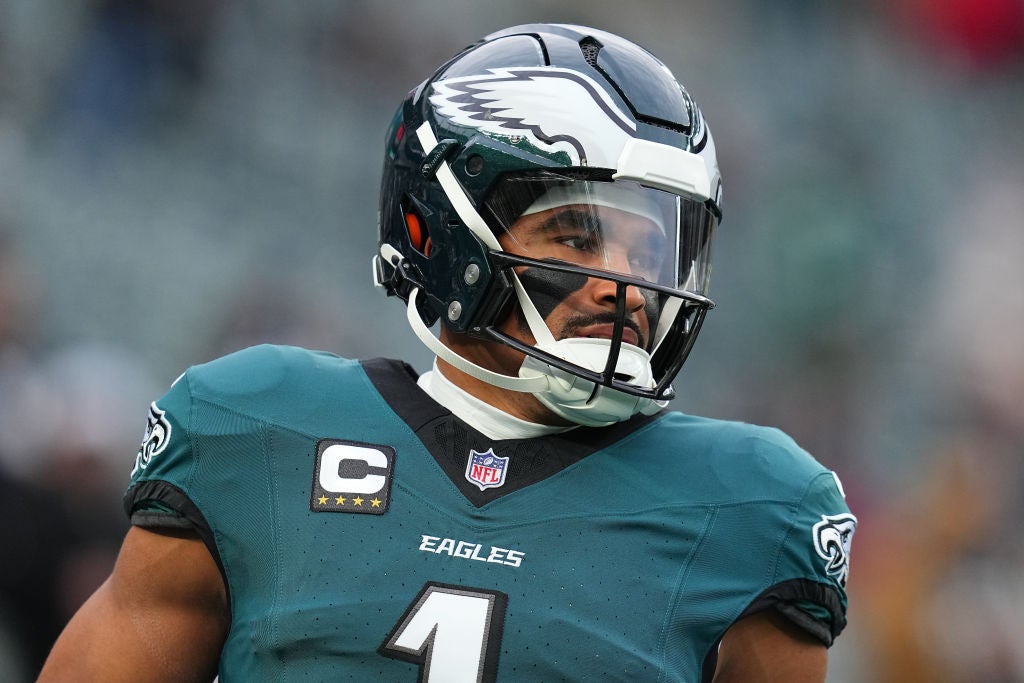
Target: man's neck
{"type": "Point", "coordinates": [495, 421]}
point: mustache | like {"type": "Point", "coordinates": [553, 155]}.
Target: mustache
{"type": "Point", "coordinates": [578, 321]}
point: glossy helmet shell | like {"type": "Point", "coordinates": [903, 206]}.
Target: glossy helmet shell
{"type": "Point", "coordinates": [442, 257]}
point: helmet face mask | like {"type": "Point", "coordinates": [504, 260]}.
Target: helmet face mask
{"type": "Point", "coordinates": [529, 198]}
{"type": "Point", "coordinates": [613, 240]}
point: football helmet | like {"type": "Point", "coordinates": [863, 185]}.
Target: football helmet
{"type": "Point", "coordinates": [588, 141]}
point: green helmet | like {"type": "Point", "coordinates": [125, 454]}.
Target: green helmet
{"type": "Point", "coordinates": [564, 120]}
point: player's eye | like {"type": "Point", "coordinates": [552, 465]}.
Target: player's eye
{"type": "Point", "coordinates": [584, 241]}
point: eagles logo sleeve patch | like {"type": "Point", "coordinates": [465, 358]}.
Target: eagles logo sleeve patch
{"type": "Point", "coordinates": [833, 536]}
{"type": "Point", "coordinates": [155, 438]}
{"type": "Point", "coordinates": [352, 477]}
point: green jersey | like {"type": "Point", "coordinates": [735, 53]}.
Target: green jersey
{"type": "Point", "coordinates": [365, 533]}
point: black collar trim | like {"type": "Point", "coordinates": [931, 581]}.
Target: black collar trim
{"type": "Point", "coordinates": [450, 440]}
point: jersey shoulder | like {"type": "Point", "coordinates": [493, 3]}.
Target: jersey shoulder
{"type": "Point", "coordinates": [257, 369]}
{"type": "Point", "coordinates": [237, 395]}
{"type": "Point", "coordinates": [767, 493]}
{"type": "Point", "coordinates": [216, 418]}
{"type": "Point", "coordinates": [271, 382]}
{"type": "Point", "coordinates": [733, 460]}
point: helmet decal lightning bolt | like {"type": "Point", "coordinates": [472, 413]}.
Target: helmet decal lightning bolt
{"type": "Point", "coordinates": [541, 104]}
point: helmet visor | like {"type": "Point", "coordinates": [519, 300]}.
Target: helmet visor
{"type": "Point", "coordinates": [620, 227]}
{"type": "Point", "coordinates": [646, 249]}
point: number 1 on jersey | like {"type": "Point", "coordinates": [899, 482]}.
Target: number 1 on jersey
{"type": "Point", "coordinates": [452, 632]}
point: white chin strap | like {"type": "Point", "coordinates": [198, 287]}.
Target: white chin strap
{"type": "Point", "coordinates": [563, 393]}
{"type": "Point", "coordinates": [528, 385]}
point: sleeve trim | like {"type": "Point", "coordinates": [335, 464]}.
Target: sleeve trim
{"type": "Point", "coordinates": [188, 514]}
{"type": "Point", "coordinates": [783, 597]}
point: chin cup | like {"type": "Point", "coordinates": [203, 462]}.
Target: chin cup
{"type": "Point", "coordinates": [582, 401]}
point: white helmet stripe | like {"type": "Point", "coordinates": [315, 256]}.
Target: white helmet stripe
{"type": "Point", "coordinates": [470, 216]}
{"type": "Point", "coordinates": [666, 168]}
{"type": "Point", "coordinates": [456, 195]}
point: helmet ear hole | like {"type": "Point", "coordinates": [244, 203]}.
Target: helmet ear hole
{"type": "Point", "coordinates": [419, 237]}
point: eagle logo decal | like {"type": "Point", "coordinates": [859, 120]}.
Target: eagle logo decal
{"type": "Point", "coordinates": [541, 104]}
{"type": "Point", "coordinates": [832, 538]}
{"type": "Point", "coordinates": [154, 441]}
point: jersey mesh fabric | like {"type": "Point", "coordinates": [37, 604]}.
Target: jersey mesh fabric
{"type": "Point", "coordinates": [627, 563]}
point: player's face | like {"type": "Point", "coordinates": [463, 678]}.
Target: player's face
{"type": "Point", "coordinates": [598, 237]}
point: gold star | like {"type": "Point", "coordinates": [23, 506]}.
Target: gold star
{"type": "Point", "coordinates": [322, 500]}
{"type": "Point", "coordinates": [357, 500]}
{"type": "Point", "coordinates": [376, 502]}
{"type": "Point", "coordinates": [340, 500]}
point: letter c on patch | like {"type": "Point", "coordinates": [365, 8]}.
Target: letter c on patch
{"type": "Point", "coordinates": [330, 469]}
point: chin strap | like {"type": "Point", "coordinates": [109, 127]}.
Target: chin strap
{"type": "Point", "coordinates": [535, 384]}
{"type": "Point", "coordinates": [580, 400]}
{"type": "Point", "coordinates": [564, 394]}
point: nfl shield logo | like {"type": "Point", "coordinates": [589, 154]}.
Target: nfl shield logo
{"type": "Point", "coordinates": [486, 470]}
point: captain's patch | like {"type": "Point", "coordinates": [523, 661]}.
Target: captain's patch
{"type": "Point", "coordinates": [352, 477]}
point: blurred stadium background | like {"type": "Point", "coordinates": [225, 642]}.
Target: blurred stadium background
{"type": "Point", "coordinates": [181, 178]}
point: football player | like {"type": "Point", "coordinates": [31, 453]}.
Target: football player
{"type": "Point", "coordinates": [528, 510]}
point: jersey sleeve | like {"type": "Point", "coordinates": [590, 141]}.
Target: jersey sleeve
{"type": "Point", "coordinates": [157, 494]}
{"type": "Point", "coordinates": [814, 562]}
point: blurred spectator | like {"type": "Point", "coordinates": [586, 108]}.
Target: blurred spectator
{"type": "Point", "coordinates": [96, 402]}
{"type": "Point", "coordinates": [981, 34]}
{"type": "Point", "coordinates": [70, 423]}
{"type": "Point", "coordinates": [80, 414]}
{"type": "Point", "coordinates": [939, 564]}
{"type": "Point", "coordinates": [275, 310]}
{"type": "Point", "coordinates": [38, 544]}
{"type": "Point", "coordinates": [35, 536]}
{"type": "Point", "coordinates": [137, 63]}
